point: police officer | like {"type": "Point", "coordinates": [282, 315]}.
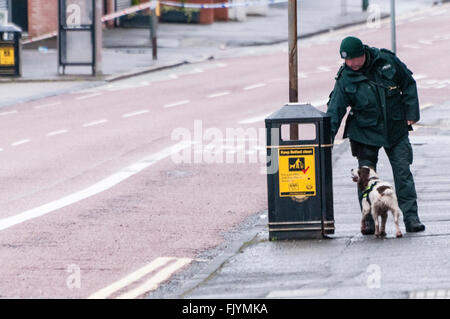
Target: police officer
{"type": "Point", "coordinates": [382, 96]}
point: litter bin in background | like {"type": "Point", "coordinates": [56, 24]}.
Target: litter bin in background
{"type": "Point", "coordinates": [299, 174]}
{"type": "Point", "coordinates": [10, 50]}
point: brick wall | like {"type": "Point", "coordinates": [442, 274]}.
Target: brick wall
{"type": "Point", "coordinates": [206, 15]}
{"type": "Point", "coordinates": [110, 8]}
{"type": "Point", "coordinates": [42, 16]}
{"type": "Point", "coordinates": [221, 14]}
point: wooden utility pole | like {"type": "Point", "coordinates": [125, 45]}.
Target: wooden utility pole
{"type": "Point", "coordinates": [293, 67]}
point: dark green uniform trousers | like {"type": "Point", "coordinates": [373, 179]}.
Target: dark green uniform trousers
{"type": "Point", "coordinates": [401, 157]}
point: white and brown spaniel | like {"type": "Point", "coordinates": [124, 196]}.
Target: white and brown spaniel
{"type": "Point", "coordinates": [378, 198]}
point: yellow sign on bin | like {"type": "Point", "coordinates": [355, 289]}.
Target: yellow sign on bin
{"type": "Point", "coordinates": [7, 56]}
{"type": "Point", "coordinates": [297, 171]}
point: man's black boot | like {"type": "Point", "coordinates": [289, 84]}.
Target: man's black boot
{"type": "Point", "coordinates": [414, 225]}
{"type": "Point", "coordinates": [370, 226]}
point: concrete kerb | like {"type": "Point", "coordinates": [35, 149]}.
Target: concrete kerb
{"type": "Point", "coordinates": [98, 78]}
{"type": "Point", "coordinates": [198, 273]}
{"type": "Point", "coordinates": [245, 239]}
{"type": "Point", "coordinates": [62, 79]}
{"type": "Point", "coordinates": [126, 75]}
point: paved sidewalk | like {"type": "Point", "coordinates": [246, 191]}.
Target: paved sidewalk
{"type": "Point", "coordinates": [349, 265]}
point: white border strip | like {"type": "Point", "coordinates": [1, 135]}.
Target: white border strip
{"type": "Point", "coordinates": [156, 280]}
{"type": "Point", "coordinates": [136, 275]}
{"type": "Point", "coordinates": [95, 189]}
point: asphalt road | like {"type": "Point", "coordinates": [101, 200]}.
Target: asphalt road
{"type": "Point", "coordinates": [95, 203]}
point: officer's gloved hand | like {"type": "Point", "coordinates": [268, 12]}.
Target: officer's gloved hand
{"type": "Point", "coordinates": [410, 125]}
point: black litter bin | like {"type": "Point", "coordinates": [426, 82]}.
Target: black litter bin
{"type": "Point", "coordinates": [10, 50]}
{"type": "Point", "coordinates": [299, 173]}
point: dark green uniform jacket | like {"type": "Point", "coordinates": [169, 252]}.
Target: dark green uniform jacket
{"type": "Point", "coordinates": [382, 96]}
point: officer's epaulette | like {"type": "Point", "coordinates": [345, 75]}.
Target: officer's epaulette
{"type": "Point", "coordinates": [387, 51]}
{"type": "Point", "coordinates": [340, 71]}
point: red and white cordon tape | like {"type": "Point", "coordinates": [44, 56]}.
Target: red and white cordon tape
{"type": "Point", "coordinates": [153, 4]}
{"type": "Point", "coordinates": [41, 37]}
{"type": "Point", "coordinates": [108, 17]}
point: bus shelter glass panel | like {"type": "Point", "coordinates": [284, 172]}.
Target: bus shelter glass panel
{"type": "Point", "coordinates": [76, 33]}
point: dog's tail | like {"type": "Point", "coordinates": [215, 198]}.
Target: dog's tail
{"type": "Point", "coordinates": [385, 190]}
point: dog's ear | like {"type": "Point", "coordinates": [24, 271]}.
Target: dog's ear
{"type": "Point", "coordinates": [363, 181]}
{"type": "Point", "coordinates": [372, 172]}
{"type": "Point", "coordinates": [354, 174]}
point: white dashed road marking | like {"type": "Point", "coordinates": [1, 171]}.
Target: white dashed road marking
{"type": "Point", "coordinates": [47, 105]}
{"type": "Point", "coordinates": [416, 19]}
{"type": "Point", "coordinates": [197, 70]}
{"type": "Point", "coordinates": [323, 68]}
{"type": "Point", "coordinates": [419, 76]}
{"type": "Point", "coordinates": [254, 86]}
{"type": "Point", "coordinates": [426, 42]}
{"type": "Point", "coordinates": [56, 133]}
{"type": "Point", "coordinates": [262, 117]}
{"type": "Point", "coordinates": [85, 97]}
{"type": "Point", "coordinates": [8, 113]}
{"type": "Point", "coordinates": [278, 80]}
{"type": "Point", "coordinates": [255, 119]}
{"type": "Point", "coordinates": [219, 94]}
{"type": "Point", "coordinates": [21, 142]}
{"type": "Point", "coordinates": [177, 103]}
{"type": "Point", "coordinates": [95, 123]}
{"type": "Point", "coordinates": [412, 46]}
{"type": "Point", "coordinates": [135, 113]}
